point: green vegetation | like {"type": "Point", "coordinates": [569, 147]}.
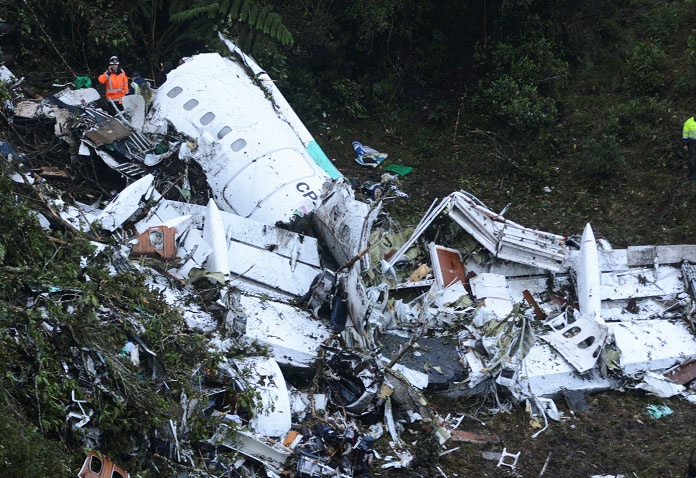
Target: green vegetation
{"type": "Point", "coordinates": [65, 318]}
{"type": "Point", "coordinates": [570, 111]}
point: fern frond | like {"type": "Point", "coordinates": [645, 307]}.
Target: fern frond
{"type": "Point", "coordinates": [235, 9]}
{"type": "Point", "coordinates": [253, 13]}
{"type": "Point", "coordinates": [275, 25]}
{"type": "Point", "coordinates": [260, 19]}
{"type": "Point", "coordinates": [243, 11]}
{"type": "Point", "coordinates": [195, 12]}
{"type": "Point", "coordinates": [265, 24]}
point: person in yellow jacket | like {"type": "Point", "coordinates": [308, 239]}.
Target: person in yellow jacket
{"type": "Point", "coordinates": [116, 82]}
{"type": "Point", "coordinates": [689, 140]}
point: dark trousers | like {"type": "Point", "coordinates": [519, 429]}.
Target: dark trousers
{"type": "Point", "coordinates": [114, 107]}
{"type": "Point", "coordinates": [692, 159]}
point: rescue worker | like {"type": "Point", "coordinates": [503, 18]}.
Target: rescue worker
{"type": "Point", "coordinates": [137, 83]}
{"type": "Point", "coordinates": [116, 82]}
{"type": "Point", "coordinates": [689, 140]}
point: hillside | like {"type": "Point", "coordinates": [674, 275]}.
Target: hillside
{"type": "Point", "coordinates": [561, 114]}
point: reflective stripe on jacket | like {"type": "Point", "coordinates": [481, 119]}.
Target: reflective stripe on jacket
{"type": "Point", "coordinates": [689, 132]}
{"type": "Point", "coordinates": [116, 85]}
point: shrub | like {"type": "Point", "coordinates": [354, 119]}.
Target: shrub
{"type": "Point", "coordinates": [25, 452]}
{"type": "Point", "coordinates": [520, 107]}
{"type": "Point", "coordinates": [602, 158]}
{"type": "Point", "coordinates": [645, 66]}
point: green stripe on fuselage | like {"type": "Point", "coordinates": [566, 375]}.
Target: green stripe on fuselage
{"type": "Point", "coordinates": [322, 160]}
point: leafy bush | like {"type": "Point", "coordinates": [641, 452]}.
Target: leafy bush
{"type": "Point", "coordinates": [532, 61]}
{"type": "Point", "coordinates": [350, 96]}
{"type": "Point", "coordinates": [644, 68]}
{"type": "Point", "coordinates": [25, 452]}
{"type": "Point", "coordinates": [602, 159]}
{"type": "Point", "coordinates": [516, 107]}
{"type": "Point", "coordinates": [520, 85]}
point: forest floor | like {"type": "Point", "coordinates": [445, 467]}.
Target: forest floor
{"type": "Point", "coordinates": [615, 435]}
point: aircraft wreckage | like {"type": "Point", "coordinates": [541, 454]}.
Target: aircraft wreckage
{"type": "Point", "coordinates": [466, 302]}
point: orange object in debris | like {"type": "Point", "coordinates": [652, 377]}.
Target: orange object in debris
{"type": "Point", "coordinates": [157, 241]}
{"type": "Point", "coordinates": [292, 435]}
{"type": "Point", "coordinates": [97, 466]}
{"type": "Point", "coordinates": [448, 265]}
{"type": "Point", "coordinates": [420, 273]}
{"type": "Point", "coordinates": [469, 437]}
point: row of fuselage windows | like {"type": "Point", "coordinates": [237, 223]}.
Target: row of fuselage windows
{"type": "Point", "coordinates": [208, 118]}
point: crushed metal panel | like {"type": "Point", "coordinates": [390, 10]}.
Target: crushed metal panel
{"type": "Point", "coordinates": [448, 267]}
{"type": "Point", "coordinates": [663, 281]}
{"type": "Point", "coordinates": [127, 202]}
{"type": "Point", "coordinates": [28, 109]}
{"type": "Point", "coordinates": [293, 335]}
{"type": "Point", "coordinates": [272, 455]}
{"type": "Point", "coordinates": [660, 385]}
{"type": "Point", "coordinates": [652, 345]}
{"type": "Point", "coordinates": [157, 241]}
{"type": "Point", "coordinates": [493, 289]}
{"type": "Point", "coordinates": [78, 97]}
{"type": "Point", "coordinates": [340, 221]}
{"type": "Point", "coordinates": [81, 216]}
{"type": "Point", "coordinates": [649, 255]}
{"type": "Point", "coordinates": [98, 466]}
{"type": "Point", "coordinates": [546, 373]}
{"type": "Point", "coordinates": [107, 132]}
{"type": "Point", "coordinates": [689, 272]}
{"type": "Point", "coordinates": [272, 417]}
{"type": "Point", "coordinates": [431, 215]}
{"type": "Point", "coordinates": [580, 342]}
{"type": "Point", "coordinates": [506, 239]}
{"type": "Point", "coordinates": [134, 108]}
{"type": "Point", "coordinates": [644, 308]}
{"type": "Point", "coordinates": [194, 251]}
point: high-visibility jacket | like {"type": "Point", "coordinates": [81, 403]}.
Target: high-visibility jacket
{"type": "Point", "coordinates": [689, 133]}
{"type": "Point", "coordinates": [116, 84]}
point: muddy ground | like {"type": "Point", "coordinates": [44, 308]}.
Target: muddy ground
{"type": "Point", "coordinates": [615, 434]}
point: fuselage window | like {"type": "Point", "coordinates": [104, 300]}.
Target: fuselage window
{"type": "Point", "coordinates": [95, 464]}
{"type": "Point", "coordinates": [174, 92]}
{"type": "Point", "coordinates": [224, 132]}
{"type": "Point", "coordinates": [207, 118]}
{"type": "Point", "coordinates": [238, 145]}
{"type": "Point", "coordinates": [190, 104]}
{"type": "Point", "coordinates": [345, 232]}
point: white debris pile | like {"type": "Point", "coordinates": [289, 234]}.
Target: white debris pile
{"type": "Point", "coordinates": [330, 288]}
